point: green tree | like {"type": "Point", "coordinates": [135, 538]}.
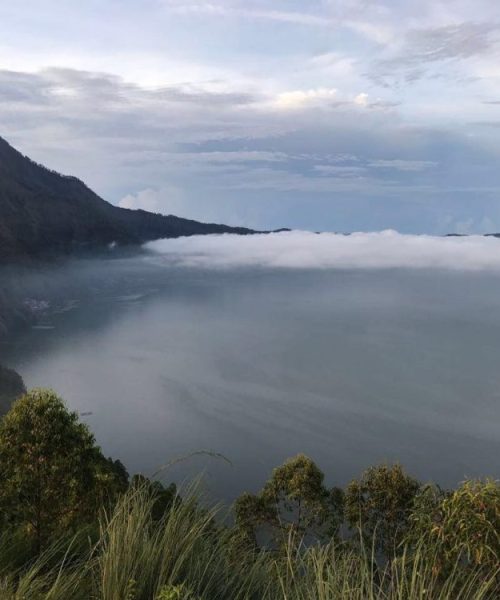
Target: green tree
{"type": "Point", "coordinates": [50, 467]}
{"type": "Point", "coordinates": [294, 502]}
{"type": "Point", "coordinates": [380, 504]}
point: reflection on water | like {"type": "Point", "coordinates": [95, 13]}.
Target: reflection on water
{"type": "Point", "coordinates": [350, 367]}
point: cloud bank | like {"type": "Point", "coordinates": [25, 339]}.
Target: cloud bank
{"type": "Point", "coordinates": [306, 250]}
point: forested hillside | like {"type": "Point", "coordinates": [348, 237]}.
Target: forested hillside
{"type": "Point", "coordinates": [43, 212]}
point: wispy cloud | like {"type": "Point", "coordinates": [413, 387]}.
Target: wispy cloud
{"type": "Point", "coordinates": [423, 49]}
{"type": "Point", "coordinates": [245, 10]}
{"type": "Point", "coordinates": [403, 165]}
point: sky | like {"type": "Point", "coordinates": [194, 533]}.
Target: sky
{"type": "Point", "coordinates": [331, 115]}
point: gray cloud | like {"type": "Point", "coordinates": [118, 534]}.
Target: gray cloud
{"type": "Point", "coordinates": [23, 88]}
{"type": "Point", "coordinates": [463, 40]}
{"type": "Point", "coordinates": [423, 47]}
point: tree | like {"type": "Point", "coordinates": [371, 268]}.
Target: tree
{"type": "Point", "coordinates": [50, 467]}
{"type": "Point", "coordinates": [294, 502]}
{"type": "Point", "coordinates": [380, 504]}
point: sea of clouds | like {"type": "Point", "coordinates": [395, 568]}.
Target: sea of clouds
{"type": "Point", "coordinates": [307, 250]}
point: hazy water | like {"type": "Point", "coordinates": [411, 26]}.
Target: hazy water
{"type": "Point", "coordinates": [350, 367]}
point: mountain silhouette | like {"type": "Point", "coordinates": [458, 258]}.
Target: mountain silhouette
{"type": "Point", "coordinates": [45, 213]}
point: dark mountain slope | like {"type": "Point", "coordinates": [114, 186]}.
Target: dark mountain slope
{"type": "Point", "coordinates": [43, 212]}
{"type": "Point", "coordinates": [11, 387]}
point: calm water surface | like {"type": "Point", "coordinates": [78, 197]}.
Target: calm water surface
{"type": "Point", "coordinates": [350, 367]}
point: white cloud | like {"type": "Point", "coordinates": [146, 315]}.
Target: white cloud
{"type": "Point", "coordinates": [305, 250]}
{"type": "Point", "coordinates": [361, 99]}
{"type": "Point", "coordinates": [305, 98]}
{"type": "Point", "coordinates": [166, 200]}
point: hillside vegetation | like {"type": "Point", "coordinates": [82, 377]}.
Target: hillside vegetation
{"type": "Point", "coordinates": [43, 212]}
{"type": "Point", "coordinates": [74, 525]}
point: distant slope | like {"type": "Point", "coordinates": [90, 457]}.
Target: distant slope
{"type": "Point", "coordinates": [11, 387]}
{"type": "Point", "coordinates": [43, 212]}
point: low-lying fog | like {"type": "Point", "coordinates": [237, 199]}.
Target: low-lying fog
{"type": "Point", "coordinates": [354, 350]}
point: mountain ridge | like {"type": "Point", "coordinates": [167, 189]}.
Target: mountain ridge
{"type": "Point", "coordinates": [43, 213]}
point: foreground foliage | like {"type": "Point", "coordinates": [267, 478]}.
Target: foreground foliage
{"type": "Point", "coordinates": [186, 556]}
{"type": "Point", "coordinates": [74, 527]}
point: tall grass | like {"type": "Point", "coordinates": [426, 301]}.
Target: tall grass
{"type": "Point", "coordinates": [188, 555]}
{"type": "Point", "coordinates": [49, 577]}
{"type": "Point", "coordinates": [327, 573]}
{"type": "Point", "coordinates": [140, 557]}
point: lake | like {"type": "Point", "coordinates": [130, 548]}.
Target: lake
{"type": "Point", "coordinates": [351, 366]}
